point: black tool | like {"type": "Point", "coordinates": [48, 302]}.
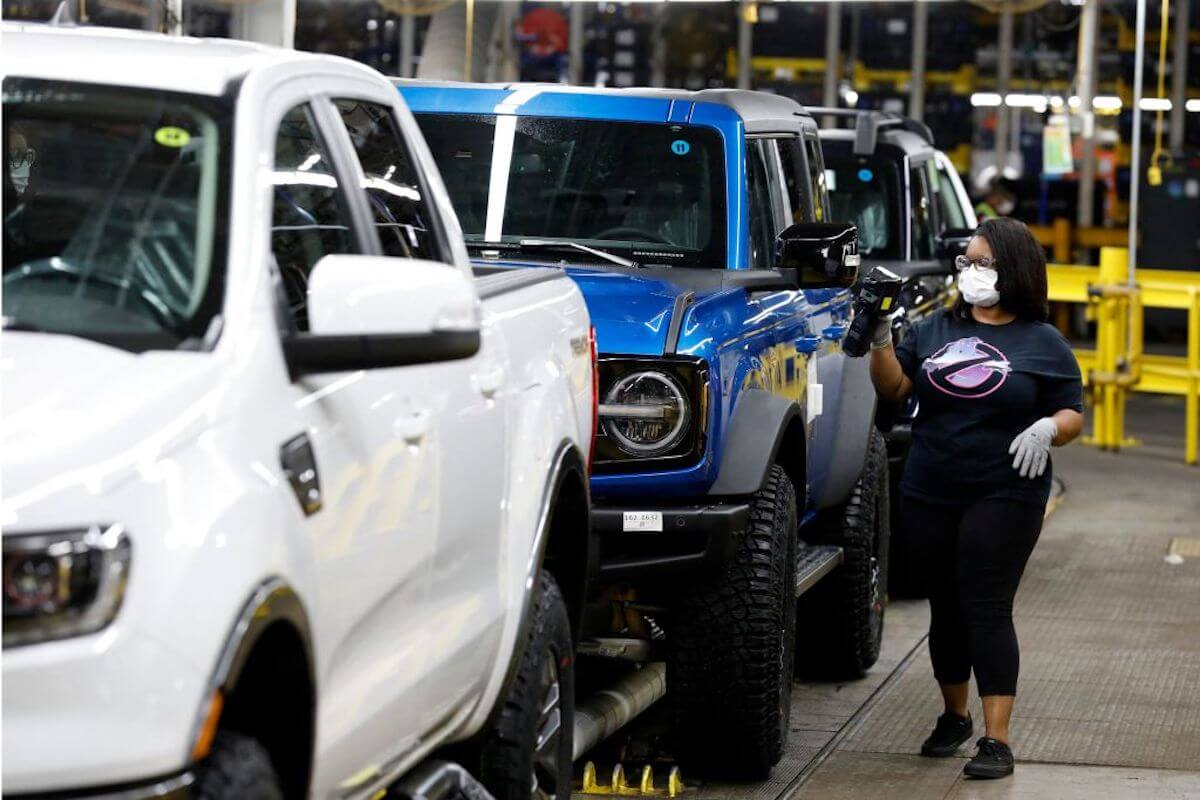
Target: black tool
{"type": "Point", "coordinates": [875, 298]}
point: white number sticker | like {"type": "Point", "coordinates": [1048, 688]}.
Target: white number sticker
{"type": "Point", "coordinates": [642, 521]}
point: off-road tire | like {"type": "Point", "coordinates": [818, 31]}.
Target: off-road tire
{"type": "Point", "coordinates": [238, 768]}
{"type": "Point", "coordinates": [508, 758]}
{"type": "Point", "coordinates": [840, 620]}
{"type": "Point", "coordinates": [730, 659]}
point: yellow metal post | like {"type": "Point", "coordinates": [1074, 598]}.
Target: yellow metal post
{"type": "Point", "coordinates": [1192, 425]}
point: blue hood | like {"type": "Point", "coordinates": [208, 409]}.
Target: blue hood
{"type": "Point", "coordinates": [632, 314]}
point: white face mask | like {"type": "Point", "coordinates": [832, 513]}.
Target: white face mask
{"type": "Point", "coordinates": [977, 285]}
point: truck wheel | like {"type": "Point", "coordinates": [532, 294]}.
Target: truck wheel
{"type": "Point", "coordinates": [840, 620]}
{"type": "Point", "coordinates": [527, 746]}
{"type": "Point", "coordinates": [238, 768]}
{"type": "Point", "coordinates": [730, 660]}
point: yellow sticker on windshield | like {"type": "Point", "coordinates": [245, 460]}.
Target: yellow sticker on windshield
{"type": "Point", "coordinates": [170, 136]}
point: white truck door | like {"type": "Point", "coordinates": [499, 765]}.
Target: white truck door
{"type": "Point", "coordinates": [467, 464]}
{"type": "Point", "coordinates": [376, 447]}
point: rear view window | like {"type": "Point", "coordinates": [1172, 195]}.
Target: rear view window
{"type": "Point", "coordinates": [863, 191]}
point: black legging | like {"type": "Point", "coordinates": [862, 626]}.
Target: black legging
{"type": "Point", "coordinates": [973, 557]}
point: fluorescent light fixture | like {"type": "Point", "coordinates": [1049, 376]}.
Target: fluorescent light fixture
{"type": "Point", "coordinates": [1025, 101]}
{"type": "Point", "coordinates": [1056, 102]}
{"type": "Point", "coordinates": [1106, 102]}
{"type": "Point", "coordinates": [1193, 104]}
{"type": "Point", "coordinates": [1155, 104]}
{"type": "Point", "coordinates": [985, 99]}
{"type": "Point", "coordinates": [1074, 101]}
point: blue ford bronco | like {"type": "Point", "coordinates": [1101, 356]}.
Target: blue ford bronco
{"type": "Point", "coordinates": [740, 487]}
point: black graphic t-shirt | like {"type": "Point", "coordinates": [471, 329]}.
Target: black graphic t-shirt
{"type": "Point", "coordinates": [977, 387]}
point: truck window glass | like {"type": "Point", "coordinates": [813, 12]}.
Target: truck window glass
{"type": "Point", "coordinates": [816, 174]}
{"type": "Point", "coordinates": [761, 216]}
{"type": "Point", "coordinates": [862, 192]}
{"type": "Point", "coordinates": [400, 209]}
{"type": "Point", "coordinates": [310, 219]}
{"type": "Point", "coordinates": [651, 192]}
{"type": "Point", "coordinates": [795, 178]}
{"type": "Point", "coordinates": [921, 220]}
{"type": "Point", "coordinates": [781, 207]}
{"type": "Point", "coordinates": [114, 212]}
{"type": "Point", "coordinates": [951, 210]}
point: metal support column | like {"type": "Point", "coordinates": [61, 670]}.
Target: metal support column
{"type": "Point", "coordinates": [1004, 49]}
{"type": "Point", "coordinates": [746, 8]}
{"type": "Point", "coordinates": [173, 17]}
{"type": "Point", "coordinates": [1179, 73]}
{"type": "Point", "coordinates": [408, 42]}
{"type": "Point", "coordinates": [575, 45]}
{"type": "Point", "coordinates": [833, 52]}
{"type": "Point", "coordinates": [1086, 80]}
{"type": "Point", "coordinates": [1135, 155]}
{"type": "Point", "coordinates": [920, 39]}
{"type": "Point", "coordinates": [658, 66]}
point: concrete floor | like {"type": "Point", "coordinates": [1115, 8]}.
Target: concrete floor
{"type": "Point", "coordinates": [1109, 699]}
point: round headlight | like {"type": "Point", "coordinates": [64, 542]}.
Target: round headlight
{"type": "Point", "coordinates": [646, 413]}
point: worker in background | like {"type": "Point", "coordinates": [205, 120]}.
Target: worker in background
{"type": "Point", "coordinates": [997, 388]}
{"type": "Point", "coordinates": [996, 202]}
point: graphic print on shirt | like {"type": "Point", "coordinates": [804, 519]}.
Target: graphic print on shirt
{"type": "Point", "coordinates": [969, 368]}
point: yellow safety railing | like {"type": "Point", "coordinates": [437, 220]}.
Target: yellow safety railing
{"type": "Point", "coordinates": [1118, 364]}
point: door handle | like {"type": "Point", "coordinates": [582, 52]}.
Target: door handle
{"type": "Point", "coordinates": [489, 381]}
{"type": "Point", "coordinates": [413, 427]}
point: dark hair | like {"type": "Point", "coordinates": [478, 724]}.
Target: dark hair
{"type": "Point", "coordinates": [1021, 265]}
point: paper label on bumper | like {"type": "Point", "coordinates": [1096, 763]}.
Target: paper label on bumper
{"type": "Point", "coordinates": [642, 521]}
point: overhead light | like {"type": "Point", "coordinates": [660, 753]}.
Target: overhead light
{"type": "Point", "coordinates": [1155, 104]}
{"type": "Point", "coordinates": [1056, 102]}
{"type": "Point", "coordinates": [1106, 102]}
{"type": "Point", "coordinates": [1025, 101]}
{"type": "Point", "coordinates": [986, 99]}
{"type": "Point", "coordinates": [1074, 101]}
{"type": "Point", "coordinates": [1193, 104]}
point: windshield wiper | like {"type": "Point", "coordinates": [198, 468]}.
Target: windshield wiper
{"type": "Point", "coordinates": [546, 244]}
{"type": "Point", "coordinates": [551, 244]}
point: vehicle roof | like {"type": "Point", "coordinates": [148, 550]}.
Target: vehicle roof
{"type": "Point", "coordinates": [751, 106]}
{"type": "Point", "coordinates": [908, 142]}
{"type": "Point", "coordinates": [119, 57]}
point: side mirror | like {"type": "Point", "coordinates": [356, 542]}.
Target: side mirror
{"type": "Point", "coordinates": [823, 254]}
{"type": "Point", "coordinates": [951, 243]}
{"type": "Point", "coordinates": [370, 312]}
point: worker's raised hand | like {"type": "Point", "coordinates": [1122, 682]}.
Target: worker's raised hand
{"type": "Point", "coordinates": [1031, 448]}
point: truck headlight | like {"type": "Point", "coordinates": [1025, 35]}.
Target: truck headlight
{"type": "Point", "coordinates": [653, 413]}
{"type": "Point", "coordinates": [646, 413]}
{"type": "Point", "coordinates": [63, 584]}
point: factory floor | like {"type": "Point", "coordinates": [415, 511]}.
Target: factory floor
{"type": "Point", "coordinates": [1109, 699]}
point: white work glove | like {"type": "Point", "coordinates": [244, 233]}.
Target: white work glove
{"type": "Point", "coordinates": [881, 334]}
{"type": "Point", "coordinates": [1032, 447]}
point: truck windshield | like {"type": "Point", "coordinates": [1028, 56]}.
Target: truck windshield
{"type": "Point", "coordinates": [649, 192]}
{"type": "Point", "coordinates": [865, 191]}
{"type": "Point", "coordinates": [114, 213]}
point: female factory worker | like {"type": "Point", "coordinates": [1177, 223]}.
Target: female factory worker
{"type": "Point", "coordinates": [997, 386]}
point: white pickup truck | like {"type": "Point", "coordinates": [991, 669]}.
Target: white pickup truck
{"type": "Point", "coordinates": [292, 499]}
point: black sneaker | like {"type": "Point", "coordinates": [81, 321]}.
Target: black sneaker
{"type": "Point", "coordinates": [994, 760]}
{"type": "Point", "coordinates": [948, 735]}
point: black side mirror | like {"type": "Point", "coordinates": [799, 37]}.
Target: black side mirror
{"type": "Point", "coordinates": [823, 254]}
{"type": "Point", "coordinates": [952, 243]}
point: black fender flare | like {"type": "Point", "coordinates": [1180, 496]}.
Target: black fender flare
{"type": "Point", "coordinates": [271, 602]}
{"type": "Point", "coordinates": [751, 444]}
